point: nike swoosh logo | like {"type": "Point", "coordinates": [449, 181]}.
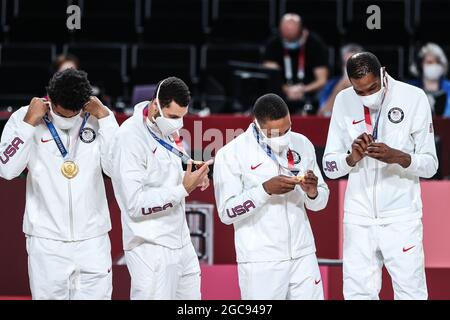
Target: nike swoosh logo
{"type": "Point", "coordinates": [256, 167]}
{"type": "Point", "coordinates": [45, 141]}
{"type": "Point", "coordinates": [317, 282]}
{"type": "Point", "coordinates": [407, 249]}
{"type": "Point", "coordinates": [356, 122]}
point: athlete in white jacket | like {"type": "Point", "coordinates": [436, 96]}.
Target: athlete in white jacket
{"type": "Point", "coordinates": [66, 215]}
{"type": "Point", "coordinates": [381, 135]}
{"type": "Point", "coordinates": [258, 190]}
{"type": "Point", "coordinates": [151, 187]}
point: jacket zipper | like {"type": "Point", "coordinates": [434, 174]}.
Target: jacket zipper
{"type": "Point", "coordinates": [288, 223]}
{"type": "Point", "coordinates": [70, 194]}
{"type": "Point", "coordinates": [375, 191]}
{"type": "Point", "coordinates": [289, 230]}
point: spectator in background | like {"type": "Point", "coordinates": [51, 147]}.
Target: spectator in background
{"type": "Point", "coordinates": [431, 69]}
{"type": "Point", "coordinates": [339, 83]}
{"type": "Point", "coordinates": [65, 61]}
{"type": "Point", "coordinates": [303, 58]}
{"type": "Point", "coordinates": [70, 61]}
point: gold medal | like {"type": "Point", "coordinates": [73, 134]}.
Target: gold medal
{"type": "Point", "coordinates": [69, 169]}
{"type": "Point", "coordinates": [198, 164]}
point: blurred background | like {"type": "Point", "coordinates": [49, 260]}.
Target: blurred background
{"type": "Point", "coordinates": [229, 52]}
{"type": "Point", "coordinates": [219, 47]}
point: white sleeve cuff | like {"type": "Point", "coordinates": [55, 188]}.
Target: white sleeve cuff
{"type": "Point", "coordinates": [26, 130]}
{"type": "Point", "coordinates": [413, 165]}
{"type": "Point", "coordinates": [109, 121]}
{"type": "Point", "coordinates": [180, 193]}
{"type": "Point", "coordinates": [343, 165]}
{"type": "Point", "coordinates": [260, 195]}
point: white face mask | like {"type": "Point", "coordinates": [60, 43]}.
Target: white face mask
{"type": "Point", "coordinates": [167, 126]}
{"type": "Point", "coordinates": [64, 123]}
{"type": "Point", "coordinates": [372, 101]}
{"type": "Point", "coordinates": [277, 144]}
{"type": "Point", "coordinates": [375, 100]}
{"type": "Point", "coordinates": [433, 71]}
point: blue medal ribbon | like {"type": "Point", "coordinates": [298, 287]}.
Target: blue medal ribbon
{"type": "Point", "coordinates": [57, 138]}
{"type": "Point", "coordinates": [264, 146]}
{"type": "Point", "coordinates": [184, 158]}
{"type": "Point", "coordinates": [270, 153]}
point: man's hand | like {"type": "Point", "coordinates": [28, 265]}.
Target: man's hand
{"type": "Point", "coordinates": [96, 108]}
{"type": "Point", "coordinates": [294, 92]}
{"type": "Point", "coordinates": [36, 111]}
{"type": "Point", "coordinates": [198, 164]}
{"type": "Point", "coordinates": [384, 153]}
{"type": "Point", "coordinates": [192, 180]}
{"type": "Point", "coordinates": [309, 184]}
{"type": "Point", "coordinates": [205, 184]}
{"type": "Point", "coordinates": [359, 148]}
{"type": "Point", "coordinates": [280, 185]}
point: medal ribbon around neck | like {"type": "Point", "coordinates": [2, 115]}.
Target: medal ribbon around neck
{"type": "Point", "coordinates": [69, 168]}
{"type": "Point", "coordinates": [272, 156]}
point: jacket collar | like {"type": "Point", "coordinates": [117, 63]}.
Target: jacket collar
{"type": "Point", "coordinates": [391, 83]}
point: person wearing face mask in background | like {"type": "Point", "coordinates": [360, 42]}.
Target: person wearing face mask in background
{"type": "Point", "coordinates": [63, 143]}
{"type": "Point", "coordinates": [265, 194]}
{"type": "Point", "coordinates": [431, 68]}
{"type": "Point", "coordinates": [303, 58]}
{"type": "Point", "coordinates": [150, 188]}
{"type": "Point", "coordinates": [381, 135]}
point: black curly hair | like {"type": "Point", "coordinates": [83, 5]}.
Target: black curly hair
{"type": "Point", "coordinates": [173, 89]}
{"type": "Point", "coordinates": [70, 89]}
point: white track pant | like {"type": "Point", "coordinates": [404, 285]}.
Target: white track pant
{"type": "Point", "coordinates": [398, 246]}
{"type": "Point", "coordinates": [160, 273]}
{"type": "Point", "coordinates": [78, 270]}
{"type": "Point", "coordinates": [297, 279]}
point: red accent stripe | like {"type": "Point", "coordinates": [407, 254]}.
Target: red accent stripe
{"type": "Point", "coordinates": [368, 120]}
{"type": "Point", "coordinates": [145, 112]}
{"type": "Point", "coordinates": [290, 157]}
{"type": "Point", "coordinates": [301, 60]}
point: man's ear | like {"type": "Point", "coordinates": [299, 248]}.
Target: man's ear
{"type": "Point", "coordinates": [153, 108]}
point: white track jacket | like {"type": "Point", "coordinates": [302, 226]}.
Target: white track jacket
{"type": "Point", "coordinates": [380, 193]}
{"type": "Point", "coordinates": [267, 228]}
{"type": "Point", "coordinates": [148, 184]}
{"type": "Point", "coordinates": [58, 208]}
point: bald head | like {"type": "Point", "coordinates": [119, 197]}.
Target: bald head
{"type": "Point", "coordinates": [291, 27]}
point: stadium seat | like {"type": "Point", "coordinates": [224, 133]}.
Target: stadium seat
{"type": "Point", "coordinates": [24, 52]}
{"type": "Point", "coordinates": [180, 21]}
{"type": "Point", "coordinates": [215, 58]}
{"type": "Point", "coordinates": [393, 57]}
{"type": "Point", "coordinates": [121, 21]}
{"type": "Point", "coordinates": [39, 21]}
{"type": "Point", "coordinates": [396, 22]}
{"type": "Point", "coordinates": [237, 20]}
{"type": "Point", "coordinates": [216, 85]}
{"type": "Point", "coordinates": [431, 19]}
{"type": "Point", "coordinates": [151, 63]}
{"type": "Point", "coordinates": [21, 78]}
{"type": "Point", "coordinates": [142, 93]}
{"type": "Point", "coordinates": [105, 63]}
